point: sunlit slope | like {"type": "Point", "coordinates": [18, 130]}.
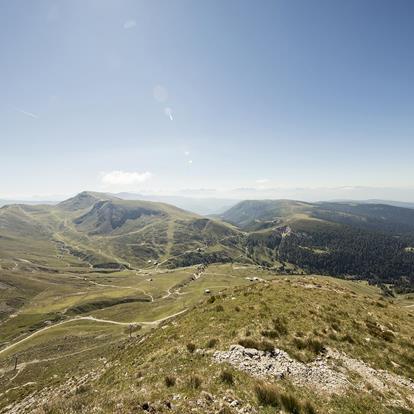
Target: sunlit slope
{"type": "Point", "coordinates": [106, 232]}
{"type": "Point", "coordinates": [349, 353]}
{"type": "Point", "coordinates": [369, 241]}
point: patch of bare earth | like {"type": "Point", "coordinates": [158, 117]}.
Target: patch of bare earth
{"type": "Point", "coordinates": [327, 374]}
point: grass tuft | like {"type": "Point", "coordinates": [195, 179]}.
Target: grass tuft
{"type": "Point", "coordinates": [191, 347]}
{"type": "Point", "coordinates": [267, 394]}
{"type": "Point", "coordinates": [226, 376]}
{"type": "Point", "coordinates": [169, 381]}
{"type": "Point", "coordinates": [195, 382]}
{"type": "Point", "coordinates": [212, 342]}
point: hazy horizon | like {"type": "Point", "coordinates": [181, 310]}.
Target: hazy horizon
{"type": "Point", "coordinates": [237, 194]}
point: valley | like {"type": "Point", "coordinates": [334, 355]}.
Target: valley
{"type": "Point", "coordinates": [98, 293]}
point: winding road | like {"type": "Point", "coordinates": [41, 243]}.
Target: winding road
{"type": "Point", "coordinates": [90, 318]}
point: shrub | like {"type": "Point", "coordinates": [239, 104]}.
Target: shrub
{"type": "Point", "coordinates": [212, 343]}
{"type": "Point", "coordinates": [388, 336]}
{"type": "Point", "coordinates": [237, 309]}
{"type": "Point", "coordinates": [308, 408]}
{"type": "Point", "coordinates": [211, 299]}
{"type": "Point", "coordinates": [267, 394]}
{"type": "Point", "coordinates": [265, 346]}
{"type": "Point", "coordinates": [270, 334]}
{"type": "Point", "coordinates": [348, 338]}
{"type": "Point", "coordinates": [219, 308]}
{"type": "Point", "coordinates": [194, 382]}
{"type": "Point", "coordinates": [290, 403]}
{"type": "Point", "coordinates": [227, 377]}
{"type": "Point", "coordinates": [169, 381]}
{"type": "Point", "coordinates": [249, 343]}
{"type": "Point", "coordinates": [191, 347]}
{"type": "Point", "coordinates": [315, 346]}
{"type": "Point", "coordinates": [280, 326]}
{"type": "Point", "coordinates": [81, 389]}
{"type": "Point", "coordinates": [335, 326]}
{"type": "Point", "coordinates": [299, 343]}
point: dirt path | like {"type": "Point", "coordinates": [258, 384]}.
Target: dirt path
{"type": "Point", "coordinates": [115, 286]}
{"type": "Point", "coordinates": [90, 318]}
{"type": "Point", "coordinates": [23, 365]}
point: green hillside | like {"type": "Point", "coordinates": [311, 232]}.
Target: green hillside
{"type": "Point", "coordinates": [104, 231]}
{"type": "Point", "coordinates": [291, 345]}
{"type": "Point", "coordinates": [365, 241]}
{"type": "Point", "coordinates": [109, 305]}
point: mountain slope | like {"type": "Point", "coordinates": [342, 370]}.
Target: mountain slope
{"type": "Point", "coordinates": [106, 231]}
{"type": "Point", "coordinates": [253, 214]}
{"type": "Point", "coordinates": [83, 200]}
{"type": "Point", "coordinates": [262, 348]}
{"type": "Point", "coordinates": [369, 241]}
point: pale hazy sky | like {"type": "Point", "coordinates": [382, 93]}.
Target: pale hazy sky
{"type": "Point", "coordinates": [158, 96]}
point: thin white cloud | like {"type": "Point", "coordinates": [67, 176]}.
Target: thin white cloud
{"type": "Point", "coordinates": [186, 153]}
{"type": "Point", "coordinates": [190, 161]}
{"type": "Point", "coordinates": [31, 114]}
{"type": "Point", "coordinates": [129, 24]}
{"type": "Point", "coordinates": [168, 112]}
{"type": "Point", "coordinates": [124, 178]}
{"type": "Point", "coordinates": [262, 181]}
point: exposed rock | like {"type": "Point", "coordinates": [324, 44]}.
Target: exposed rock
{"type": "Point", "coordinates": [324, 374]}
{"type": "Point", "coordinates": [318, 374]}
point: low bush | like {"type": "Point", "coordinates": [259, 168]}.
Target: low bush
{"type": "Point", "coordinates": [270, 395]}
{"type": "Point", "coordinates": [270, 334]}
{"type": "Point", "coordinates": [191, 347]}
{"type": "Point", "coordinates": [267, 394]}
{"type": "Point", "coordinates": [265, 346]}
{"type": "Point", "coordinates": [226, 376]}
{"type": "Point", "coordinates": [290, 403]}
{"type": "Point", "coordinates": [308, 408]}
{"type": "Point", "coordinates": [313, 345]}
{"type": "Point", "coordinates": [195, 382]}
{"type": "Point", "coordinates": [212, 342]}
{"type": "Point", "coordinates": [348, 338]}
{"type": "Point", "coordinates": [169, 381]}
{"type": "Point", "coordinates": [280, 325]}
{"type": "Point", "coordinates": [211, 299]}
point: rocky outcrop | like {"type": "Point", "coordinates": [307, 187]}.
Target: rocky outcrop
{"type": "Point", "coordinates": [318, 374]}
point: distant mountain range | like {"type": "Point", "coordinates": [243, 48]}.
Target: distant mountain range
{"type": "Point", "coordinates": [370, 241]}
{"type": "Point", "coordinates": [378, 201]}
{"type": "Point", "coordinates": [204, 206]}
{"type": "Point", "coordinates": [5, 202]}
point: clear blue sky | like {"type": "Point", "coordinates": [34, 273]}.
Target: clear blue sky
{"type": "Point", "coordinates": [167, 95]}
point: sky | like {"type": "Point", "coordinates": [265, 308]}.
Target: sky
{"type": "Point", "coordinates": [207, 97]}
